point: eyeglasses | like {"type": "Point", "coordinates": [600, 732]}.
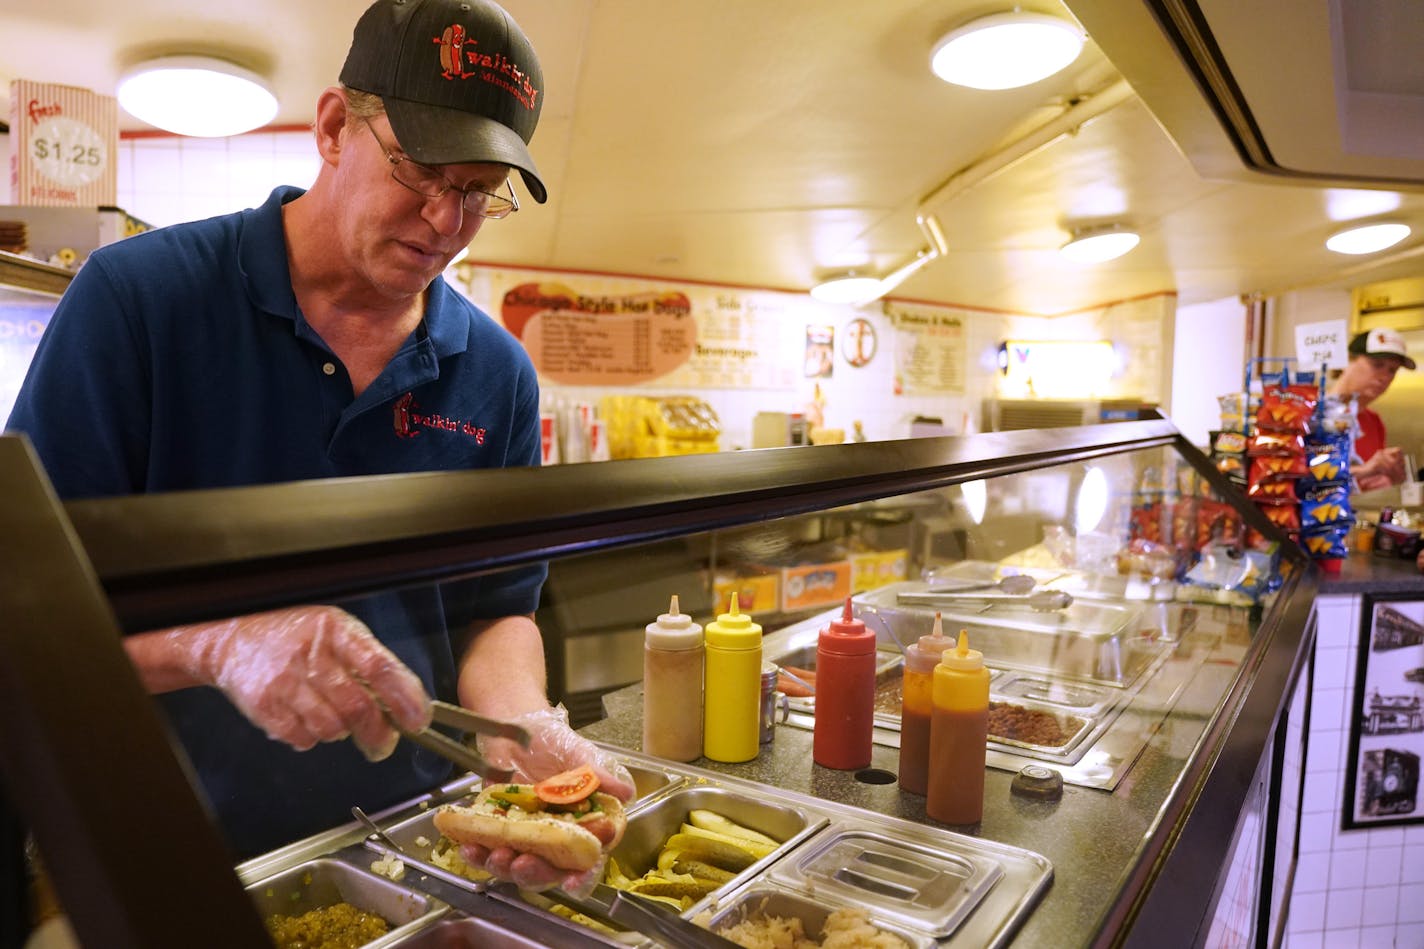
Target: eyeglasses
{"type": "Point", "coordinates": [424, 180]}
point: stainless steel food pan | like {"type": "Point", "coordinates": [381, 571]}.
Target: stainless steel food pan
{"type": "Point", "coordinates": [650, 828]}
{"type": "Point", "coordinates": [325, 882]}
{"type": "Point", "coordinates": [762, 901]}
{"type": "Point", "coordinates": [1093, 641]}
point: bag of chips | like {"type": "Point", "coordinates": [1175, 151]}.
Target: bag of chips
{"type": "Point", "coordinates": [1325, 506]}
{"type": "Point", "coordinates": [1327, 458]}
{"type": "Point", "coordinates": [1287, 409]}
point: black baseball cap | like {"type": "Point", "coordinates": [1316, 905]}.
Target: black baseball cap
{"type": "Point", "coordinates": [1381, 342]}
{"type": "Point", "coordinates": [459, 80]}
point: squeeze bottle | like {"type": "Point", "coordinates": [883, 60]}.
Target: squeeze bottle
{"type": "Point", "coordinates": [732, 698]}
{"type": "Point", "coordinates": [672, 686]}
{"type": "Point", "coordinates": [959, 730]}
{"type": "Point", "coordinates": [845, 694]}
{"type": "Point", "coordinates": [916, 705]}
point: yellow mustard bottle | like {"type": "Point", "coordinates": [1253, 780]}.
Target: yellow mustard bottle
{"type": "Point", "coordinates": [959, 731]}
{"type": "Point", "coordinates": [732, 696]}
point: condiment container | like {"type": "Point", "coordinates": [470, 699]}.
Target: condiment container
{"type": "Point", "coordinates": [732, 698]}
{"type": "Point", "coordinates": [916, 704]}
{"type": "Point", "coordinates": [959, 730]}
{"type": "Point", "coordinates": [767, 723]}
{"type": "Point", "coordinates": [845, 694]}
{"type": "Point", "coordinates": [673, 660]}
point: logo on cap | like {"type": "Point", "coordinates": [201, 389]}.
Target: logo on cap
{"type": "Point", "coordinates": [457, 49]}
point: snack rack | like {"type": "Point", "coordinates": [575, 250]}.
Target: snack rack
{"type": "Point", "coordinates": [1294, 462]}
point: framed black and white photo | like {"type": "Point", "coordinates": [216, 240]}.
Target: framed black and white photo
{"type": "Point", "coordinates": [1387, 717]}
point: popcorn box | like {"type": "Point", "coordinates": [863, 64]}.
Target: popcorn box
{"type": "Point", "coordinates": [65, 143]}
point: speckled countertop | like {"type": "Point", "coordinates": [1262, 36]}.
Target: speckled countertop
{"type": "Point", "coordinates": [1090, 836]}
{"type": "Point", "coordinates": [1367, 573]}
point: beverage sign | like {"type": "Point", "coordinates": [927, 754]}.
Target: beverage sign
{"type": "Point", "coordinates": [1322, 344]}
{"type": "Point", "coordinates": [65, 144]}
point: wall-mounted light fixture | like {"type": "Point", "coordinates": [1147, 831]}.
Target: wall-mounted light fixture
{"type": "Point", "coordinates": [1368, 238]}
{"type": "Point", "coordinates": [1006, 50]}
{"type": "Point", "coordinates": [1099, 244]}
{"type": "Point", "coordinates": [857, 289]}
{"type": "Point", "coordinates": [201, 96]}
{"type": "Point", "coordinates": [1056, 368]}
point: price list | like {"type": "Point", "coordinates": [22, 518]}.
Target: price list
{"type": "Point", "coordinates": [930, 353]}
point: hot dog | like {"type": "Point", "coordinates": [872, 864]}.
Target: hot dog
{"type": "Point", "coordinates": [572, 836]}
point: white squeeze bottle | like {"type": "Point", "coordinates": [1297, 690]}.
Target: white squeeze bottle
{"type": "Point", "coordinates": [673, 660]}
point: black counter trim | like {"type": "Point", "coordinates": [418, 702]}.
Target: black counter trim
{"type": "Point", "coordinates": [182, 557]}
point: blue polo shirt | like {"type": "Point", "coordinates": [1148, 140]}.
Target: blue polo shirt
{"type": "Point", "coordinates": [179, 359]}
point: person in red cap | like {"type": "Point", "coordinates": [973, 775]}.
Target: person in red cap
{"type": "Point", "coordinates": [315, 337]}
{"type": "Point", "coordinates": [1375, 357]}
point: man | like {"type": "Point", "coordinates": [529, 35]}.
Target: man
{"type": "Point", "coordinates": [1375, 358]}
{"type": "Point", "coordinates": [296, 341]}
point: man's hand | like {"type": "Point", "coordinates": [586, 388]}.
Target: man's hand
{"type": "Point", "coordinates": [1385, 468]}
{"type": "Point", "coordinates": [553, 747]}
{"type": "Point", "coordinates": [306, 675]}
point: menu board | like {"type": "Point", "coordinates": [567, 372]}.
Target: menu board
{"type": "Point", "coordinates": [930, 350]}
{"type": "Point", "coordinates": [617, 331]}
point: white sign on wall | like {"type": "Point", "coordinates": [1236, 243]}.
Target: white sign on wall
{"type": "Point", "coordinates": [1322, 344]}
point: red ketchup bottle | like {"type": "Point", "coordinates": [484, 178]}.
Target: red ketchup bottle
{"type": "Point", "coordinates": [916, 706]}
{"type": "Point", "coordinates": [845, 694]}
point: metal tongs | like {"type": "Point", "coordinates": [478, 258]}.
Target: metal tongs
{"type": "Point", "coordinates": [1040, 601]}
{"type": "Point", "coordinates": [463, 755]}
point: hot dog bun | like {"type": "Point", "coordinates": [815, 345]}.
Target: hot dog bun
{"type": "Point", "coordinates": [566, 840]}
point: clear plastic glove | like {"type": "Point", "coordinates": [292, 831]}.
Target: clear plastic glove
{"type": "Point", "coordinates": [306, 675]}
{"type": "Point", "coordinates": [553, 747]}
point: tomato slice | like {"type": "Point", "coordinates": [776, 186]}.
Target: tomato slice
{"type": "Point", "coordinates": [568, 787]}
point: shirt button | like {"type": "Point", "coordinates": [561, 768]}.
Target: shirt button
{"type": "Point", "coordinates": [328, 368]}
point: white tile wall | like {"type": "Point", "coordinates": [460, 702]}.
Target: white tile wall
{"type": "Point", "coordinates": [168, 180]}
{"type": "Point", "coordinates": [1357, 889]}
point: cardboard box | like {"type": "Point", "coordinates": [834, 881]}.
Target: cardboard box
{"type": "Point", "coordinates": [65, 142]}
{"type": "Point", "coordinates": [876, 568]}
{"type": "Point", "coordinates": [815, 584]}
{"type": "Point", "coordinates": [756, 593]}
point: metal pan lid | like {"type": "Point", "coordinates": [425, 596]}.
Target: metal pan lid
{"type": "Point", "coordinates": [924, 888]}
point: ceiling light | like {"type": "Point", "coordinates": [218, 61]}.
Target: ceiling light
{"type": "Point", "coordinates": [1367, 239]}
{"type": "Point", "coordinates": [857, 289]}
{"type": "Point", "coordinates": [197, 95]}
{"type": "Point", "coordinates": [1099, 245]}
{"type": "Point", "coordinates": [1006, 50]}
{"type": "Point", "coordinates": [847, 288]}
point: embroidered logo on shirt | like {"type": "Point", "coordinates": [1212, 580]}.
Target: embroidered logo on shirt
{"type": "Point", "coordinates": [408, 422]}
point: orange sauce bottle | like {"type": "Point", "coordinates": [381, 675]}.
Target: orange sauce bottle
{"type": "Point", "coordinates": [916, 704]}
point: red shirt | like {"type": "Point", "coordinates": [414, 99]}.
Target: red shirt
{"type": "Point", "coordinates": [1371, 437]}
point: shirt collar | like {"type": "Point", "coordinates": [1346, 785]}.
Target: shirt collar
{"type": "Point", "coordinates": [262, 257]}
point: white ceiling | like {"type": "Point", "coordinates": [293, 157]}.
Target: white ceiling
{"type": "Point", "coordinates": [766, 142]}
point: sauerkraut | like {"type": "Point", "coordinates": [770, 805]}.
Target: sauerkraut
{"type": "Point", "coordinates": [844, 929]}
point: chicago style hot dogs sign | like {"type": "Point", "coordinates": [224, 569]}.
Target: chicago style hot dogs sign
{"type": "Point", "coordinates": [610, 331]}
